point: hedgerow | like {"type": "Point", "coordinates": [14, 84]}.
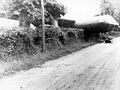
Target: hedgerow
{"type": "Point", "coordinates": [22, 40]}
{"type": "Point", "coordinates": [73, 32]}
{"type": "Point", "coordinates": [16, 41]}
{"type": "Point", "coordinates": [52, 37]}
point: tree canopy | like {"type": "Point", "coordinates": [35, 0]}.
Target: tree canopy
{"type": "Point", "coordinates": [32, 9]}
{"type": "Point", "coordinates": [108, 7]}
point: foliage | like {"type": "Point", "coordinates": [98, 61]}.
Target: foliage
{"type": "Point", "coordinates": [77, 33]}
{"type": "Point", "coordinates": [52, 37]}
{"type": "Point", "coordinates": [110, 8]}
{"type": "Point", "coordinates": [16, 41]}
{"type": "Point", "coordinates": [33, 9]}
{"type": "Point", "coordinates": [107, 8]}
{"type": "Point", "coordinates": [55, 9]}
{"type": "Point", "coordinates": [26, 62]}
{"type": "Point", "coordinates": [22, 41]}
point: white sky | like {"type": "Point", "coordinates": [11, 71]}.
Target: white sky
{"type": "Point", "coordinates": [81, 9]}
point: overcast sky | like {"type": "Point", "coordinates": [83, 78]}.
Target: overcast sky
{"type": "Point", "coordinates": [81, 9]}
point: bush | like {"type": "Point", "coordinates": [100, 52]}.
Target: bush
{"type": "Point", "coordinates": [73, 33]}
{"type": "Point", "coordinates": [54, 37]}
{"type": "Point", "coordinates": [23, 41]}
{"type": "Point", "coordinates": [16, 41]}
{"type": "Point", "coordinates": [20, 40]}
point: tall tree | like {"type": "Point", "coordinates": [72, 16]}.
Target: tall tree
{"type": "Point", "coordinates": [108, 7]}
{"type": "Point", "coordinates": [53, 10]}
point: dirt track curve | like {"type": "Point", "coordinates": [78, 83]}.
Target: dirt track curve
{"type": "Point", "coordinates": [94, 68]}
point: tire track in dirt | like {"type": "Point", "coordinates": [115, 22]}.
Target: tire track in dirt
{"type": "Point", "coordinates": [107, 81]}
{"type": "Point", "coordinates": [99, 80]}
{"type": "Point", "coordinates": [87, 74]}
{"type": "Point", "coordinates": [88, 69]}
{"type": "Point", "coordinates": [65, 69]}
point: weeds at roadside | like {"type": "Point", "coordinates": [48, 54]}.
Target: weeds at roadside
{"type": "Point", "coordinates": [25, 62]}
{"type": "Point", "coordinates": [12, 64]}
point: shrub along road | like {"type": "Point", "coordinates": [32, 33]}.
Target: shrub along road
{"type": "Point", "coordinates": [94, 68]}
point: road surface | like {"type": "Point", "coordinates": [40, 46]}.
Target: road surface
{"type": "Point", "coordinates": [94, 68]}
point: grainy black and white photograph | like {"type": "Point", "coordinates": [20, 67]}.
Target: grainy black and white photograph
{"type": "Point", "coordinates": [59, 44]}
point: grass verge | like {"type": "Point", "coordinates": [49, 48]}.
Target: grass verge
{"type": "Point", "coordinates": [25, 62]}
{"type": "Point", "coordinates": [11, 65]}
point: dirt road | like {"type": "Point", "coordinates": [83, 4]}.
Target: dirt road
{"type": "Point", "coordinates": [94, 68]}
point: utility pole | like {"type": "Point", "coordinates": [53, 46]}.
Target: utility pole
{"type": "Point", "coordinates": [43, 27]}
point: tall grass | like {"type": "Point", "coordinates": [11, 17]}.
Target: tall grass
{"type": "Point", "coordinates": [25, 49]}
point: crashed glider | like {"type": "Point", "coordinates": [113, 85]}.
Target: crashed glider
{"type": "Point", "coordinates": [103, 23]}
